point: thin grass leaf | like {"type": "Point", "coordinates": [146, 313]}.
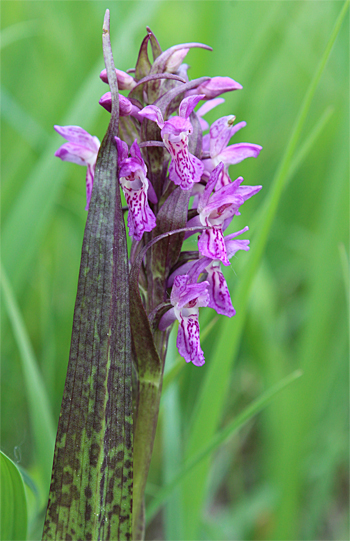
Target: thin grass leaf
{"type": "Point", "coordinates": [218, 439]}
{"type": "Point", "coordinates": [17, 31]}
{"type": "Point", "coordinates": [92, 478]}
{"type": "Point", "coordinates": [38, 401]}
{"type": "Point", "coordinates": [309, 142]}
{"type": "Point", "coordinates": [22, 122]}
{"type": "Point", "coordinates": [344, 261]}
{"type": "Point", "coordinates": [315, 352]}
{"type": "Point", "coordinates": [209, 406]}
{"type": "Point", "coordinates": [13, 514]}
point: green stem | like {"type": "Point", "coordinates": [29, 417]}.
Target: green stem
{"type": "Point", "coordinates": [145, 430]}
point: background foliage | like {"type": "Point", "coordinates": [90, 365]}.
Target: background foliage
{"type": "Point", "coordinates": [284, 476]}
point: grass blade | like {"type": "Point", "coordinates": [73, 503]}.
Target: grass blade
{"type": "Point", "coordinates": [218, 439]}
{"type": "Point", "coordinates": [13, 515]}
{"type": "Point", "coordinates": [22, 122]}
{"type": "Point", "coordinates": [38, 401]}
{"type": "Point", "coordinates": [17, 31]}
{"type": "Point", "coordinates": [308, 143]}
{"type": "Point", "coordinates": [209, 407]}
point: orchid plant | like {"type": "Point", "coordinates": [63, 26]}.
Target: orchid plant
{"type": "Point", "coordinates": [176, 182]}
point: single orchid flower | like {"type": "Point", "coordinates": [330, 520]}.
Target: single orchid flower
{"type": "Point", "coordinates": [135, 185]}
{"type": "Point", "coordinates": [82, 148]}
{"type": "Point", "coordinates": [215, 143]}
{"type": "Point", "coordinates": [219, 295]}
{"type": "Point", "coordinates": [216, 211]}
{"type": "Point", "coordinates": [185, 169]}
{"type": "Point", "coordinates": [186, 298]}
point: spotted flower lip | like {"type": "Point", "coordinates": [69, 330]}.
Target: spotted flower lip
{"type": "Point", "coordinates": [215, 142]}
{"type": "Point", "coordinates": [185, 169]}
{"type": "Point", "coordinates": [82, 148]}
{"type": "Point", "coordinates": [186, 298]}
{"type": "Point", "coordinates": [135, 185]}
{"type": "Point", "coordinates": [125, 81]}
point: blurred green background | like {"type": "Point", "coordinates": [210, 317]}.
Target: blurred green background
{"type": "Point", "coordinates": [285, 475]}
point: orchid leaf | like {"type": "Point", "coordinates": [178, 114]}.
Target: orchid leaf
{"type": "Point", "coordinates": [91, 488]}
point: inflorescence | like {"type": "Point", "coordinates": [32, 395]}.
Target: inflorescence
{"type": "Point", "coordinates": [162, 155]}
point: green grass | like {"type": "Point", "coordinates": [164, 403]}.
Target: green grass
{"type": "Point", "coordinates": [284, 476]}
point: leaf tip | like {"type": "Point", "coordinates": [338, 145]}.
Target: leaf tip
{"type": "Point", "coordinates": [105, 29]}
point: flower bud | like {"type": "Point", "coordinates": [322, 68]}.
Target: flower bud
{"type": "Point", "coordinates": [125, 81]}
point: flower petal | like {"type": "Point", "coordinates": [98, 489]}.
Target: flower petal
{"type": "Point", "coordinates": [203, 123]}
{"type": "Point", "coordinates": [218, 85]}
{"type": "Point", "coordinates": [239, 152]}
{"type": "Point", "coordinates": [151, 194]}
{"type": "Point", "coordinates": [167, 319]}
{"type": "Point", "coordinates": [184, 292]}
{"type": "Point", "coordinates": [188, 342]}
{"type": "Point", "coordinates": [75, 134]}
{"type": "Point", "coordinates": [175, 126]}
{"type": "Point", "coordinates": [220, 298]}
{"type": "Point", "coordinates": [89, 184]}
{"type": "Point", "coordinates": [211, 244]}
{"type": "Point", "coordinates": [135, 151]}
{"type": "Point", "coordinates": [214, 177]}
{"type": "Point", "coordinates": [72, 152]}
{"type": "Point", "coordinates": [152, 112]}
{"type": "Point", "coordinates": [209, 105]}
{"type": "Point", "coordinates": [221, 132]}
{"type": "Point", "coordinates": [185, 169]}
{"type": "Point", "coordinates": [188, 104]}
{"type": "Point", "coordinates": [122, 149]}
{"type": "Point", "coordinates": [140, 216]}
